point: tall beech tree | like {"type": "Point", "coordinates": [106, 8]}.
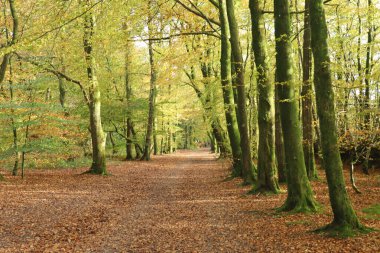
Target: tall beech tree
{"type": "Point", "coordinates": [300, 196]}
{"type": "Point", "coordinates": [368, 66]}
{"type": "Point", "coordinates": [228, 98]}
{"type": "Point", "coordinates": [3, 69]}
{"type": "Point", "coordinates": [248, 169]}
{"type": "Point", "coordinates": [345, 220]}
{"type": "Point", "coordinates": [128, 96]}
{"type": "Point", "coordinates": [307, 99]}
{"type": "Point", "coordinates": [267, 168]}
{"type": "Point", "coordinates": [152, 89]}
{"type": "Point", "coordinates": [98, 136]}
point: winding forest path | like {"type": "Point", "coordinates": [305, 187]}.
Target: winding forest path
{"type": "Point", "coordinates": [176, 203]}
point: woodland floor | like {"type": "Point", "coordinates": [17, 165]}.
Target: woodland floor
{"type": "Point", "coordinates": [176, 203]}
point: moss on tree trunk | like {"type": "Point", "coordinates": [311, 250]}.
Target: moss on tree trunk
{"type": "Point", "coordinates": [267, 167]}
{"type": "Point", "coordinates": [345, 221]}
{"type": "Point", "coordinates": [97, 135]}
{"type": "Point", "coordinates": [248, 169]}
{"type": "Point", "coordinates": [307, 102]}
{"type": "Point", "coordinates": [152, 95]}
{"type": "Point", "coordinates": [300, 196]}
{"type": "Point", "coordinates": [230, 113]}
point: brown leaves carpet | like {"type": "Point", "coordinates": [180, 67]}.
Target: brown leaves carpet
{"type": "Point", "coordinates": [176, 203]}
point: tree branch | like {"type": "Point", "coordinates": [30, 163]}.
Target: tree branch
{"type": "Point", "coordinates": [198, 13]}
{"type": "Point", "coordinates": [56, 73]}
{"type": "Point", "coordinates": [58, 27]}
{"type": "Point", "coordinates": [215, 3]}
{"type": "Point", "coordinates": [209, 33]}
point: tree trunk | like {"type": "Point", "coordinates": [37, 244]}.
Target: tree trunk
{"type": "Point", "coordinates": [368, 69]}
{"type": "Point", "coordinates": [138, 149]}
{"type": "Point", "coordinates": [170, 132]}
{"type": "Point", "coordinates": [128, 144]}
{"type": "Point", "coordinates": [153, 79]}
{"type": "Point", "coordinates": [230, 114]}
{"type": "Point", "coordinates": [3, 68]}
{"type": "Point", "coordinates": [248, 169]}
{"type": "Point", "coordinates": [14, 128]}
{"type": "Point", "coordinates": [114, 150]}
{"type": "Point", "coordinates": [307, 102]}
{"type": "Point", "coordinates": [267, 168]}
{"type": "Point", "coordinates": [62, 92]}
{"type": "Point", "coordinates": [155, 140]}
{"type": "Point", "coordinates": [280, 147]}
{"type": "Point", "coordinates": [128, 96]}
{"type": "Point", "coordinates": [359, 68]}
{"type": "Point", "coordinates": [220, 138]}
{"type": "Point", "coordinates": [300, 196]}
{"type": "Point", "coordinates": [97, 135]}
{"type": "Point", "coordinates": [14, 14]}
{"type": "Point", "coordinates": [345, 219]}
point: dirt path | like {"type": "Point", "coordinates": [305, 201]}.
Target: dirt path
{"type": "Point", "coordinates": [176, 203]}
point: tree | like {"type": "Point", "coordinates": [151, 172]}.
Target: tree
{"type": "Point", "coordinates": [152, 93]}
{"type": "Point", "coordinates": [94, 103]}
{"type": "Point", "coordinates": [345, 220]}
{"type": "Point", "coordinates": [228, 98]}
{"type": "Point", "coordinates": [3, 69]}
{"type": "Point", "coordinates": [300, 196]}
{"type": "Point", "coordinates": [307, 99]}
{"type": "Point", "coordinates": [238, 65]}
{"type": "Point", "coordinates": [267, 168]}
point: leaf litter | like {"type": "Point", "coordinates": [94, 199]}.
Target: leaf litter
{"type": "Point", "coordinates": [175, 203]}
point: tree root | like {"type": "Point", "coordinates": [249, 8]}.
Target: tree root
{"type": "Point", "coordinates": [343, 230]}
{"type": "Point", "coordinates": [92, 172]}
{"type": "Point", "coordinates": [300, 206]}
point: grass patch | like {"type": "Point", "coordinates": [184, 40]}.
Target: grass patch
{"type": "Point", "coordinates": [343, 231]}
{"type": "Point", "coordinates": [372, 212]}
